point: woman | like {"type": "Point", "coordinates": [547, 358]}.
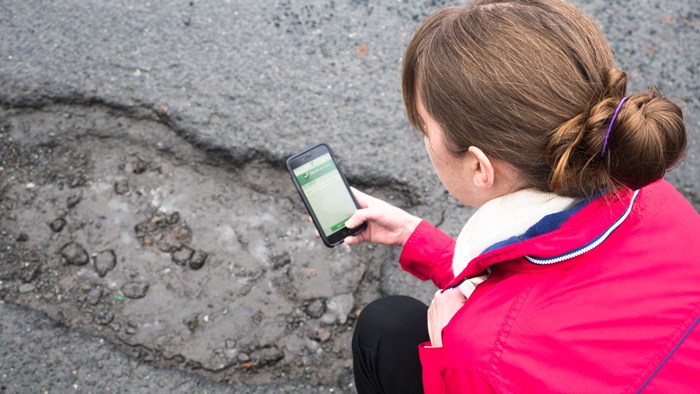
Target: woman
{"type": "Point", "coordinates": [580, 271]}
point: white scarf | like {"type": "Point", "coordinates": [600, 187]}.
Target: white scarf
{"type": "Point", "coordinates": [499, 219]}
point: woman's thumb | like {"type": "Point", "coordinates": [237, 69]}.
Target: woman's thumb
{"type": "Point", "coordinates": [360, 216]}
{"type": "Point", "coordinates": [354, 220]}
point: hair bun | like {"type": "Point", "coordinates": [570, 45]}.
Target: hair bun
{"type": "Point", "coordinates": [647, 138]}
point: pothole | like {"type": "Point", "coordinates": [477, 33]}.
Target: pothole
{"type": "Point", "coordinates": [116, 226]}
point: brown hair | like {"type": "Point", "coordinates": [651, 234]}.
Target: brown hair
{"type": "Point", "coordinates": [534, 84]}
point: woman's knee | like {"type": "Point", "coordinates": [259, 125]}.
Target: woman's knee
{"type": "Point", "coordinates": [385, 345]}
{"type": "Point", "coordinates": [392, 315]}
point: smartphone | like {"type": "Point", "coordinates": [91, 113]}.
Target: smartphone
{"type": "Point", "coordinates": [325, 193]}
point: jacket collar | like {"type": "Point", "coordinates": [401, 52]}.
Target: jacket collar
{"type": "Point", "coordinates": [561, 236]}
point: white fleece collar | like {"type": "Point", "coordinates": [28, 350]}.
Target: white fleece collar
{"type": "Point", "coordinates": [499, 219]}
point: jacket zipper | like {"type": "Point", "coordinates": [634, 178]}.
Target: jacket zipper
{"type": "Point", "coordinates": [595, 243]}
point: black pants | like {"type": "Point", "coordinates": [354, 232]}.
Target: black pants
{"type": "Point", "coordinates": [385, 346]}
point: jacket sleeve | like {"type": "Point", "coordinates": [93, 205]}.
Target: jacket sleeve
{"type": "Point", "coordinates": [427, 254]}
{"type": "Point", "coordinates": [440, 379]}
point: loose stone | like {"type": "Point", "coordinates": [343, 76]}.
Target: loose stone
{"type": "Point", "coordinates": [104, 317]}
{"type": "Point", "coordinates": [57, 225]}
{"type": "Point", "coordinates": [316, 308]}
{"type": "Point", "coordinates": [94, 296]}
{"type": "Point", "coordinates": [121, 187]}
{"type": "Point", "coordinates": [197, 260]}
{"type": "Point", "coordinates": [135, 290]}
{"type": "Point", "coordinates": [182, 256]}
{"type": "Point", "coordinates": [74, 253]}
{"type": "Point", "coordinates": [105, 262]}
{"type": "Point", "coordinates": [169, 243]}
{"type": "Point", "coordinates": [192, 322]}
{"type": "Point", "coordinates": [144, 228]}
{"type": "Point", "coordinates": [323, 334]}
{"type": "Point", "coordinates": [267, 355]}
{"type": "Point", "coordinates": [73, 200]}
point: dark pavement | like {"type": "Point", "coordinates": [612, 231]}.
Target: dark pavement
{"type": "Point", "coordinates": [258, 80]}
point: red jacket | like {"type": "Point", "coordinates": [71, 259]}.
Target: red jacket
{"type": "Point", "coordinates": [601, 298]}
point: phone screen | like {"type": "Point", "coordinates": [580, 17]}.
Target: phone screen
{"type": "Point", "coordinates": [325, 190]}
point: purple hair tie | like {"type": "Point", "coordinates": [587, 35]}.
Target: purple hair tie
{"type": "Point", "coordinates": [612, 121]}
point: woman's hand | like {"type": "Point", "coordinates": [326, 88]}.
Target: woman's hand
{"type": "Point", "coordinates": [442, 309]}
{"type": "Point", "coordinates": [386, 224]}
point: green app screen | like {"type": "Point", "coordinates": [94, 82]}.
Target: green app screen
{"type": "Point", "coordinates": [324, 188]}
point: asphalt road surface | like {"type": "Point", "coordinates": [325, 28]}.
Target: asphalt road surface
{"type": "Point", "coordinates": [223, 91]}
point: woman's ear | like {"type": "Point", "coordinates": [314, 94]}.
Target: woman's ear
{"type": "Point", "coordinates": [482, 169]}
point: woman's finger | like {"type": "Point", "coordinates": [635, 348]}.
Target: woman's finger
{"type": "Point", "coordinates": [356, 219]}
